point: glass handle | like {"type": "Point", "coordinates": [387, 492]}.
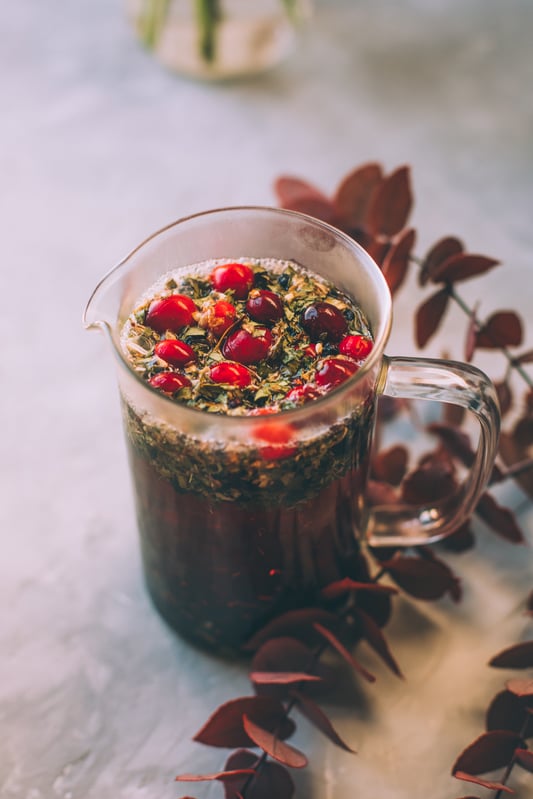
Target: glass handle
{"type": "Point", "coordinates": [458, 384]}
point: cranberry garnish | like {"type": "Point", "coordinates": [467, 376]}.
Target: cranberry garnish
{"type": "Point", "coordinates": [234, 374]}
{"type": "Point", "coordinates": [244, 347]}
{"type": "Point", "coordinates": [264, 306]}
{"type": "Point", "coordinates": [218, 317]}
{"type": "Point", "coordinates": [357, 347]}
{"type": "Point", "coordinates": [175, 352]}
{"type": "Point", "coordinates": [334, 371]}
{"type": "Point", "coordinates": [235, 277]}
{"type": "Point", "coordinates": [169, 382]}
{"type": "Point", "coordinates": [302, 394]}
{"type": "Point", "coordinates": [279, 438]}
{"type": "Point", "coordinates": [323, 321]}
{"type": "Point", "coordinates": [170, 313]}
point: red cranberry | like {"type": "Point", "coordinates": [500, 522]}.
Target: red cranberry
{"type": "Point", "coordinates": [302, 394]}
{"type": "Point", "coordinates": [357, 347]}
{"type": "Point", "coordinates": [334, 371]}
{"type": "Point", "coordinates": [234, 374]}
{"type": "Point", "coordinates": [235, 277]}
{"type": "Point", "coordinates": [244, 347]}
{"type": "Point", "coordinates": [170, 313]}
{"type": "Point", "coordinates": [323, 321]}
{"type": "Point", "coordinates": [279, 438]}
{"type": "Point", "coordinates": [224, 315]}
{"type": "Point", "coordinates": [169, 382]}
{"type": "Point", "coordinates": [264, 306]}
{"type": "Point", "coordinates": [175, 352]}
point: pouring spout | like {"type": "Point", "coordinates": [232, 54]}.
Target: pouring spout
{"type": "Point", "coordinates": [102, 308]}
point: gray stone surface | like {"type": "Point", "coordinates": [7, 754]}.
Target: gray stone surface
{"type": "Point", "coordinates": [98, 147]}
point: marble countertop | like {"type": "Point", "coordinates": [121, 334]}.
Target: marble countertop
{"type": "Point", "coordinates": [100, 146]}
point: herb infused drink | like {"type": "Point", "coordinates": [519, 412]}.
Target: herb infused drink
{"type": "Point", "coordinates": [232, 535]}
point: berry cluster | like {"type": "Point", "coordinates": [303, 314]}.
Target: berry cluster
{"type": "Point", "coordinates": [253, 329]}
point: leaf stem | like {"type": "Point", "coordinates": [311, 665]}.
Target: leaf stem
{"type": "Point", "coordinates": [512, 762]}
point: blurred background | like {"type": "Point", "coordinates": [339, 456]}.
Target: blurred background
{"type": "Point", "coordinates": [100, 145]}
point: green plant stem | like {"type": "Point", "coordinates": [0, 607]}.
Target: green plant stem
{"type": "Point", "coordinates": [208, 15]}
{"type": "Point", "coordinates": [152, 21]}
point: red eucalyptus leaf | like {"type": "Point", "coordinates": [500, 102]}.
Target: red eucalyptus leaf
{"type": "Point", "coordinates": [390, 465]}
{"type": "Point", "coordinates": [501, 520]}
{"type": "Point", "coordinates": [422, 578]}
{"type": "Point", "coordinates": [309, 708]}
{"type": "Point", "coordinates": [390, 204]}
{"type": "Point", "coordinates": [343, 652]}
{"type": "Point", "coordinates": [378, 493]}
{"type": "Point", "coordinates": [524, 758]}
{"type": "Point", "coordinates": [353, 195]}
{"type": "Point", "coordinates": [505, 396]}
{"type": "Point", "coordinates": [468, 797]}
{"type": "Point", "coordinates": [271, 779]}
{"type": "Point", "coordinates": [511, 452]}
{"type": "Point", "coordinates": [282, 654]}
{"type": "Point", "coordinates": [529, 602]}
{"type": "Point", "coordinates": [502, 329]}
{"type": "Point", "coordinates": [273, 746]}
{"type": "Point", "coordinates": [373, 635]}
{"type": "Point", "coordinates": [461, 540]}
{"type": "Point", "coordinates": [439, 253]}
{"type": "Point", "coordinates": [455, 590]}
{"type": "Point", "coordinates": [225, 726]}
{"type": "Point", "coordinates": [282, 677]}
{"type": "Point", "coordinates": [290, 189]}
{"type": "Point", "coordinates": [520, 687]}
{"type": "Point", "coordinates": [471, 335]}
{"type": "Point", "coordinates": [346, 585]}
{"type": "Point", "coordinates": [220, 776]}
{"type": "Point", "coordinates": [519, 656]}
{"type": "Point", "coordinates": [377, 247]}
{"type": "Point", "coordinates": [509, 712]}
{"type": "Point", "coordinates": [431, 481]}
{"type": "Point", "coordinates": [455, 441]}
{"type": "Point", "coordinates": [462, 266]}
{"type": "Point", "coordinates": [429, 315]}
{"type": "Point", "coordinates": [490, 751]}
{"type": "Point", "coordinates": [314, 206]}
{"type": "Point", "coordinates": [492, 786]}
{"type": "Point", "coordinates": [297, 623]}
{"type": "Point", "coordinates": [525, 357]}
{"type": "Point", "coordinates": [395, 264]}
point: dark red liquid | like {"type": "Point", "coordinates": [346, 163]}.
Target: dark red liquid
{"type": "Point", "coordinates": [218, 570]}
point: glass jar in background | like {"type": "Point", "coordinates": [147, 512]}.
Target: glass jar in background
{"type": "Point", "coordinates": [218, 39]}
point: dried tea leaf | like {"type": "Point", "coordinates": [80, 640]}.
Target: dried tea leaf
{"type": "Point", "coordinates": [429, 316]}
{"type": "Point", "coordinates": [297, 623]}
{"type": "Point", "coordinates": [390, 205]}
{"type": "Point", "coordinates": [502, 329]}
{"type": "Point", "coordinates": [282, 677]}
{"type": "Point", "coordinates": [501, 520]}
{"type": "Point", "coordinates": [520, 687]}
{"type": "Point", "coordinates": [390, 465]}
{"type": "Point", "coordinates": [289, 190]}
{"type": "Point", "coordinates": [509, 712]}
{"type": "Point", "coordinates": [462, 266]}
{"type": "Point", "coordinates": [440, 252]}
{"type": "Point", "coordinates": [491, 785]}
{"type": "Point", "coordinates": [273, 746]}
{"type": "Point", "coordinates": [395, 264]}
{"type": "Point", "coordinates": [490, 751]}
{"type": "Point", "coordinates": [309, 708]}
{"type": "Point", "coordinates": [346, 585]}
{"type": "Point", "coordinates": [352, 198]}
{"type": "Point", "coordinates": [422, 578]}
{"type": "Point", "coordinates": [519, 656]}
{"type": "Point", "coordinates": [225, 726]}
{"type": "Point", "coordinates": [524, 758]}
{"type": "Point", "coordinates": [505, 396]}
{"type": "Point", "coordinates": [343, 652]}
{"type": "Point", "coordinates": [373, 635]}
{"type": "Point", "coordinates": [270, 780]}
